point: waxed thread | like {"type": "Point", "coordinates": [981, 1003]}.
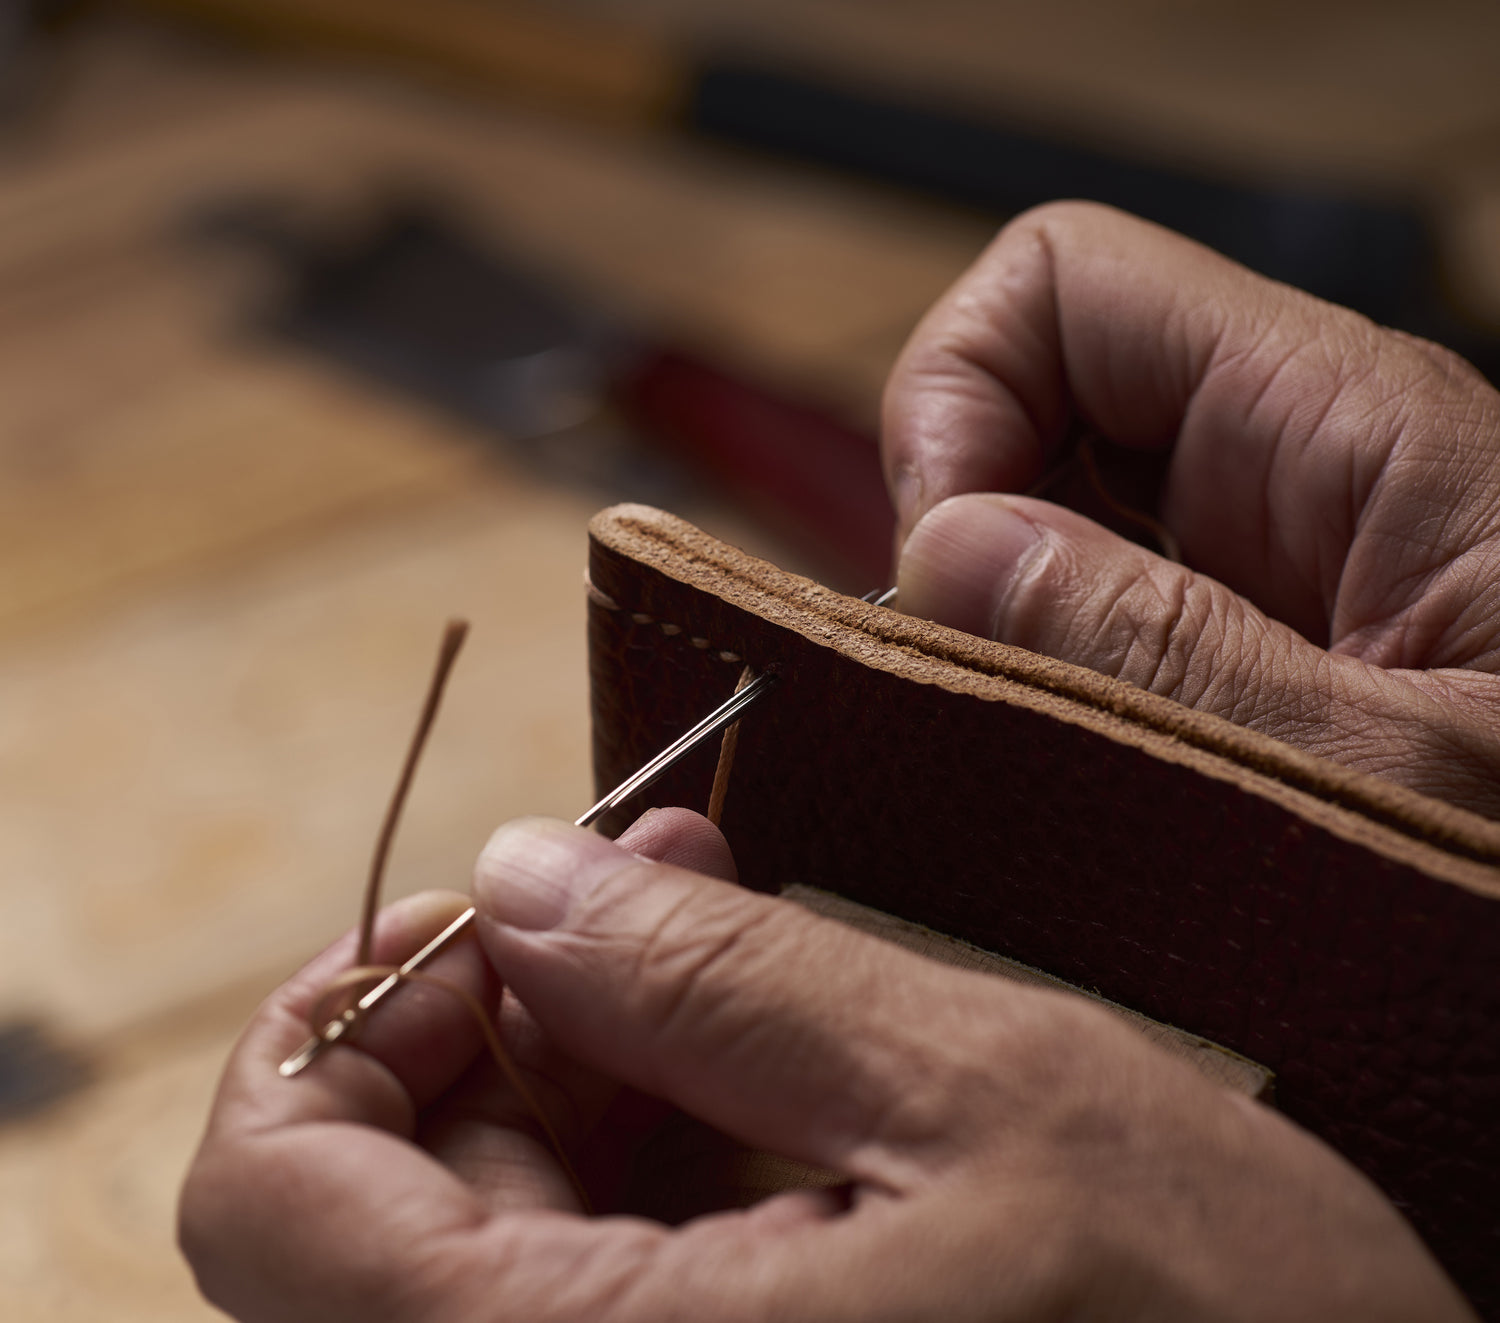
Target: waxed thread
{"type": "Point", "coordinates": [454, 634]}
{"type": "Point", "coordinates": [1083, 455]}
{"type": "Point", "coordinates": [727, 747]}
{"type": "Point", "coordinates": [1166, 540]}
{"type": "Point", "coordinates": [730, 742]}
{"type": "Point", "coordinates": [363, 975]}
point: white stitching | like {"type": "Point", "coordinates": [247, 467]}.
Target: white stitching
{"type": "Point", "coordinates": [642, 618]}
{"type": "Point", "coordinates": [596, 597]}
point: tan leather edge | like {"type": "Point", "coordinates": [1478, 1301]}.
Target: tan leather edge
{"type": "Point", "coordinates": [1220, 1065]}
{"type": "Point", "coordinates": [1401, 824]}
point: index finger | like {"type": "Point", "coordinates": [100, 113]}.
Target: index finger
{"type": "Point", "coordinates": [307, 1198]}
{"type": "Point", "coordinates": [1283, 410]}
{"type": "Point", "coordinates": [400, 1060]}
{"type": "Point", "coordinates": [307, 1202]}
{"type": "Point", "coordinates": [308, 1180]}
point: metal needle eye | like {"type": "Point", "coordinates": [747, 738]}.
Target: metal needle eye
{"type": "Point", "coordinates": [668, 758]}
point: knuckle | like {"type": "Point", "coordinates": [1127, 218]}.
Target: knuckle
{"type": "Point", "coordinates": [1022, 1065]}
{"type": "Point", "coordinates": [1449, 366]}
{"type": "Point", "coordinates": [209, 1233]}
{"type": "Point", "coordinates": [1049, 603]}
{"type": "Point", "coordinates": [1146, 624]}
{"type": "Point", "coordinates": [206, 1224]}
{"type": "Point", "coordinates": [194, 1218]}
{"type": "Point", "coordinates": [1186, 638]}
{"type": "Point", "coordinates": [701, 954]}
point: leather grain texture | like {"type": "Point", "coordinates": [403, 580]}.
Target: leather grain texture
{"type": "Point", "coordinates": [1340, 930]}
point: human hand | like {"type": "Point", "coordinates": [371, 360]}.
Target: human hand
{"type": "Point", "coordinates": [1013, 1154]}
{"type": "Point", "coordinates": [1335, 488]}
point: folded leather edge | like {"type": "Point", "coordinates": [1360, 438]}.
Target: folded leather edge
{"type": "Point", "coordinates": [1441, 839]}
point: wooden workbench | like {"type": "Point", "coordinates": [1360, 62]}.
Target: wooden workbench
{"type": "Point", "coordinates": [224, 565]}
{"type": "Point", "coordinates": [224, 568]}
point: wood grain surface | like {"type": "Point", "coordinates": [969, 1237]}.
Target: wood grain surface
{"type": "Point", "coordinates": [224, 566]}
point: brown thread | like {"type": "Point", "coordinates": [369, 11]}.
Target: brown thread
{"type": "Point", "coordinates": [454, 635]}
{"type": "Point", "coordinates": [597, 597]}
{"type": "Point", "coordinates": [1165, 538]}
{"type": "Point", "coordinates": [731, 738]}
{"type": "Point", "coordinates": [362, 975]}
{"type": "Point", "coordinates": [727, 747]}
{"type": "Point", "coordinates": [1083, 455]}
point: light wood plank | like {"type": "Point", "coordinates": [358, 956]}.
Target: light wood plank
{"type": "Point", "coordinates": [189, 785]}
{"type": "Point", "coordinates": [88, 1199]}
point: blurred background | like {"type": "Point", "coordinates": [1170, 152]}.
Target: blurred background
{"type": "Point", "coordinates": [323, 320]}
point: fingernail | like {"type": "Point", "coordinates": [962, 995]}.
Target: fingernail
{"type": "Point", "coordinates": [534, 870]}
{"type": "Point", "coordinates": [960, 561]}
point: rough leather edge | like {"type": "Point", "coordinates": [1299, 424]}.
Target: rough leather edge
{"type": "Point", "coordinates": [1441, 839]}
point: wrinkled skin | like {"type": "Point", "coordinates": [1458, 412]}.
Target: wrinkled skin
{"type": "Point", "coordinates": [1335, 487]}
{"type": "Point", "coordinates": [1012, 1154]}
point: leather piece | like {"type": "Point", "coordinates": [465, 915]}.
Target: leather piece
{"type": "Point", "coordinates": [1216, 1063]}
{"type": "Point", "coordinates": [1342, 931]}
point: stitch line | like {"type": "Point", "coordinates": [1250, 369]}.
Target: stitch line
{"type": "Point", "coordinates": [608, 603]}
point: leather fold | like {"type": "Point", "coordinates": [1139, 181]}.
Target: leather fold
{"type": "Point", "coordinates": [1341, 930]}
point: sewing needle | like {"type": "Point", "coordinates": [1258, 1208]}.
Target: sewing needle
{"type": "Point", "coordinates": [716, 721]}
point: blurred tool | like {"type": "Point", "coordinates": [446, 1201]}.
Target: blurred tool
{"type": "Point", "coordinates": [35, 1070]}
{"type": "Point", "coordinates": [525, 51]}
{"type": "Point", "coordinates": [23, 55]}
{"type": "Point", "coordinates": [1374, 255]}
{"type": "Point", "coordinates": [415, 301]}
{"type": "Point", "coordinates": [1367, 255]}
{"type": "Point", "coordinates": [815, 480]}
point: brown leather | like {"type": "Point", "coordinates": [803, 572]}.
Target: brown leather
{"type": "Point", "coordinates": [1341, 930]}
{"type": "Point", "coordinates": [1211, 1060]}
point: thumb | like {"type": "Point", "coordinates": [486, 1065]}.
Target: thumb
{"type": "Point", "coordinates": [1033, 574]}
{"type": "Point", "coordinates": [790, 1032]}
